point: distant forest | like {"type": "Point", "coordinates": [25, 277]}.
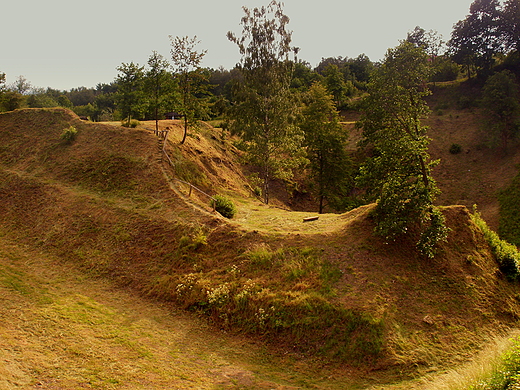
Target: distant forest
{"type": "Point", "coordinates": [489, 37]}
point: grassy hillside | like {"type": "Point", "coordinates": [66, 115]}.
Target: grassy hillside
{"type": "Point", "coordinates": [322, 291]}
{"type": "Point", "coordinates": [482, 169]}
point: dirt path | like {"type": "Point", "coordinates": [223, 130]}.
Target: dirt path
{"type": "Point", "coordinates": [60, 329]}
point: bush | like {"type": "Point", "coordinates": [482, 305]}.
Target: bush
{"type": "Point", "coordinates": [224, 206]}
{"type": "Point", "coordinates": [506, 254]}
{"type": "Point", "coordinates": [69, 134]}
{"type": "Point", "coordinates": [455, 149]}
{"type": "Point", "coordinates": [509, 223]}
{"type": "Point", "coordinates": [133, 123]}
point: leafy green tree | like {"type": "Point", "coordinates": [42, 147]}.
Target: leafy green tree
{"type": "Point", "coordinates": [64, 101]}
{"type": "Point", "coordinates": [433, 44]}
{"type": "Point", "coordinates": [325, 140]}
{"type": "Point", "coordinates": [303, 76]}
{"type": "Point", "coordinates": [500, 98]}
{"type": "Point", "coordinates": [335, 82]}
{"type": "Point", "coordinates": [264, 108]}
{"type": "Point", "coordinates": [361, 68]}
{"type": "Point", "coordinates": [431, 41]}
{"type": "Point", "coordinates": [398, 173]}
{"type": "Point", "coordinates": [477, 39]}
{"type": "Point", "coordinates": [511, 25]}
{"type": "Point", "coordinates": [39, 98]}
{"type": "Point", "coordinates": [159, 85]}
{"type": "Point", "coordinates": [190, 77]}
{"type": "Point", "coordinates": [130, 91]}
{"type": "Point", "coordinates": [82, 96]}
{"type": "Point", "coordinates": [11, 100]}
{"type": "Point", "coordinates": [105, 102]}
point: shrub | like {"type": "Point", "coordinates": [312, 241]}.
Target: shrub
{"type": "Point", "coordinates": [224, 206]}
{"type": "Point", "coordinates": [68, 135]}
{"type": "Point", "coordinates": [509, 223]}
{"type": "Point", "coordinates": [506, 254]}
{"type": "Point", "coordinates": [132, 123]}
{"type": "Point", "coordinates": [455, 149]}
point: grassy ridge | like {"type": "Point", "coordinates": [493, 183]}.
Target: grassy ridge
{"type": "Point", "coordinates": [112, 215]}
{"type": "Point", "coordinates": [328, 291]}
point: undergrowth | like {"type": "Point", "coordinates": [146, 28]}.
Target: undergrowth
{"type": "Point", "coordinates": [509, 199]}
{"type": "Point", "coordinates": [506, 254]}
{"type": "Point", "coordinates": [506, 374]}
{"type": "Point", "coordinates": [293, 306]}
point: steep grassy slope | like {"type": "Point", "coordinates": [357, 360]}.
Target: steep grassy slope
{"type": "Point", "coordinates": [482, 169]}
{"type": "Point", "coordinates": [110, 204]}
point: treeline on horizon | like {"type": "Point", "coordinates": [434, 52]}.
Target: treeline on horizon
{"type": "Point", "coordinates": [488, 37]}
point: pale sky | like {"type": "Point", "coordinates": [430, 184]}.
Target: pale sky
{"type": "Point", "coordinates": [66, 44]}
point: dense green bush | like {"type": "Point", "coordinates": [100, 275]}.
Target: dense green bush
{"type": "Point", "coordinates": [224, 206]}
{"type": "Point", "coordinates": [69, 134]}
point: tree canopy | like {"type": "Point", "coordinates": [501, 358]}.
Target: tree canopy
{"type": "Point", "coordinates": [398, 173]}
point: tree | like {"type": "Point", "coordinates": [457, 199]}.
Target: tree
{"type": "Point", "coordinates": [325, 140]}
{"type": "Point", "coordinates": [186, 64]}
{"type": "Point", "coordinates": [21, 85]}
{"type": "Point", "coordinates": [361, 68]}
{"type": "Point", "coordinates": [159, 84]}
{"type": "Point", "coordinates": [431, 41]}
{"type": "Point", "coordinates": [398, 173]}
{"type": "Point", "coordinates": [303, 76]}
{"type": "Point", "coordinates": [130, 94]}
{"type": "Point", "coordinates": [264, 108]}
{"type": "Point", "coordinates": [39, 98]}
{"type": "Point", "coordinates": [500, 98]}
{"type": "Point", "coordinates": [336, 84]}
{"type": "Point", "coordinates": [477, 39]}
{"type": "Point", "coordinates": [9, 100]}
{"type": "Point", "coordinates": [511, 25]}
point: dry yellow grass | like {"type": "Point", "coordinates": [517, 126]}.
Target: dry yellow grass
{"type": "Point", "coordinates": [60, 329]}
{"type": "Point", "coordinates": [435, 314]}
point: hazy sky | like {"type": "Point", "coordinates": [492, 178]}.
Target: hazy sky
{"type": "Point", "coordinates": [65, 44]}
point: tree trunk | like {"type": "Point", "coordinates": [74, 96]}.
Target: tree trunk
{"type": "Point", "coordinates": [185, 129]}
{"type": "Point", "coordinates": [266, 184]}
